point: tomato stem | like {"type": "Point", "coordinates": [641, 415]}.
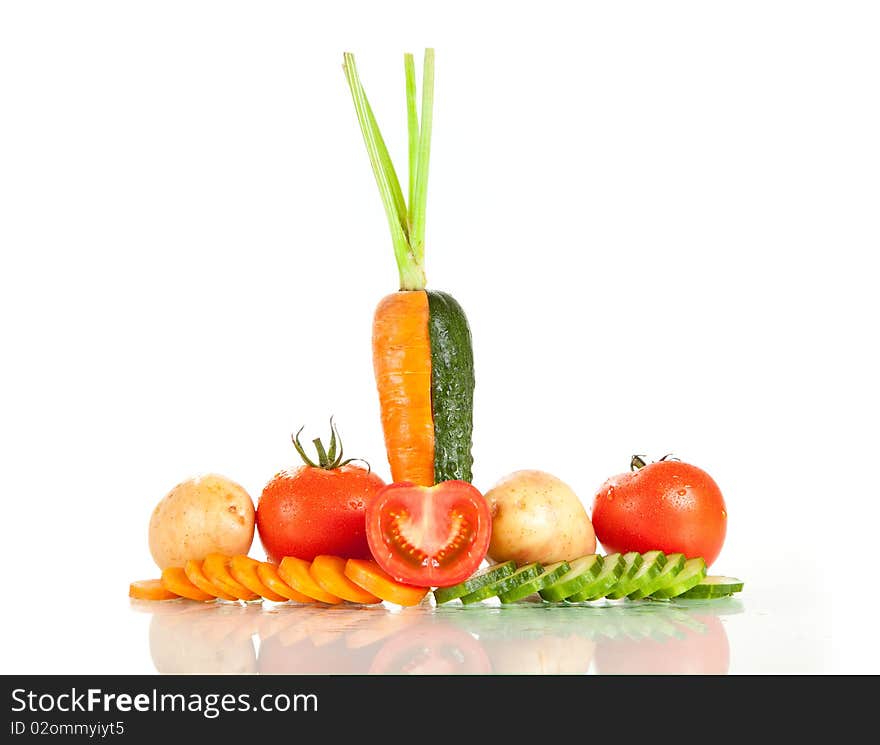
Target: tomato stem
{"type": "Point", "coordinates": [328, 459]}
{"type": "Point", "coordinates": [638, 461]}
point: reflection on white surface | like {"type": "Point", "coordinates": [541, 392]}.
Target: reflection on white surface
{"type": "Point", "coordinates": [683, 637]}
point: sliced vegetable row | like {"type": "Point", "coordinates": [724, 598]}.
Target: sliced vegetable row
{"type": "Point", "coordinates": [327, 579]}
{"type": "Point", "coordinates": [653, 574]}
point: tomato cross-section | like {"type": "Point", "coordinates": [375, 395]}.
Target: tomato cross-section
{"type": "Point", "coordinates": [429, 535]}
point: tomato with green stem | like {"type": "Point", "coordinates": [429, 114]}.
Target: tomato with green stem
{"type": "Point", "coordinates": [432, 536]}
{"type": "Point", "coordinates": [317, 508]}
{"type": "Point", "coordinates": [668, 505]}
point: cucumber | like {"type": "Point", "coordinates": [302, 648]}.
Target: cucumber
{"type": "Point", "coordinates": [632, 561]}
{"type": "Point", "coordinates": [652, 563]}
{"type": "Point", "coordinates": [505, 584]}
{"type": "Point", "coordinates": [612, 569]}
{"type": "Point", "coordinates": [692, 574]}
{"type": "Point", "coordinates": [714, 586]}
{"type": "Point", "coordinates": [482, 578]}
{"type": "Point", "coordinates": [671, 569]}
{"type": "Point", "coordinates": [582, 572]}
{"type": "Point", "coordinates": [452, 387]}
{"type": "Point", "coordinates": [547, 577]}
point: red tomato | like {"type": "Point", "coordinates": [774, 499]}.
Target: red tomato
{"type": "Point", "coordinates": [429, 535]}
{"type": "Point", "coordinates": [317, 508]}
{"type": "Point", "coordinates": [667, 505]}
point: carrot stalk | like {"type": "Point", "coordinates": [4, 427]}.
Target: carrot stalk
{"type": "Point", "coordinates": [412, 126]}
{"type": "Point", "coordinates": [420, 197]}
{"type": "Point", "coordinates": [407, 224]}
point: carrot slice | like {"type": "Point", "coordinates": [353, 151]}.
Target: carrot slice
{"type": "Point", "coordinates": [196, 575]}
{"type": "Point", "coordinates": [295, 572]}
{"type": "Point", "coordinates": [268, 575]}
{"type": "Point", "coordinates": [216, 569]}
{"type": "Point", "coordinates": [372, 578]}
{"type": "Point", "coordinates": [329, 573]}
{"type": "Point", "coordinates": [174, 579]}
{"type": "Point", "coordinates": [244, 570]}
{"type": "Point", "coordinates": [150, 589]}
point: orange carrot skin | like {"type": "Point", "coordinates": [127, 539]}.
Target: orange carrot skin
{"type": "Point", "coordinates": [150, 589]}
{"type": "Point", "coordinates": [216, 569]}
{"type": "Point", "coordinates": [369, 576]}
{"type": "Point", "coordinates": [268, 574]}
{"type": "Point", "coordinates": [174, 579]}
{"type": "Point", "coordinates": [295, 572]}
{"type": "Point", "coordinates": [244, 571]}
{"type": "Point", "coordinates": [402, 366]}
{"type": "Point", "coordinates": [194, 573]}
{"type": "Point", "coordinates": [329, 573]}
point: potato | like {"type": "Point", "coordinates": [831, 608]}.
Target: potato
{"type": "Point", "coordinates": [203, 515]}
{"type": "Point", "coordinates": [537, 517]}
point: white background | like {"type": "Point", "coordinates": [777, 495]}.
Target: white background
{"type": "Point", "coordinates": [661, 219]}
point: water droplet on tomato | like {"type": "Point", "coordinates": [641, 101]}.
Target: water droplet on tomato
{"type": "Point", "coordinates": [682, 492]}
{"type": "Point", "coordinates": [723, 513]}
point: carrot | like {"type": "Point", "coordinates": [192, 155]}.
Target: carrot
{"type": "Point", "coordinates": [402, 366]}
{"type": "Point", "coordinates": [174, 580]}
{"type": "Point", "coordinates": [295, 572]}
{"type": "Point", "coordinates": [422, 356]}
{"type": "Point", "coordinates": [150, 589]}
{"type": "Point", "coordinates": [216, 568]}
{"type": "Point", "coordinates": [372, 578]}
{"type": "Point", "coordinates": [196, 575]}
{"type": "Point", "coordinates": [329, 573]}
{"type": "Point", "coordinates": [244, 570]}
{"type": "Point", "coordinates": [268, 575]}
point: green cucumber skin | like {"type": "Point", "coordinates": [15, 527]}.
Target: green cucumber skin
{"type": "Point", "coordinates": [452, 388]}
{"type": "Point", "coordinates": [703, 591]}
{"type": "Point", "coordinates": [505, 584]}
{"type": "Point", "coordinates": [672, 567]}
{"type": "Point", "coordinates": [682, 583]}
{"type": "Point", "coordinates": [472, 584]}
{"type": "Point", "coordinates": [601, 586]}
{"type": "Point", "coordinates": [560, 590]}
{"type": "Point", "coordinates": [626, 585]}
{"type": "Point", "coordinates": [546, 578]}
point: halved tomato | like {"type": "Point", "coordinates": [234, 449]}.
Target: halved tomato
{"type": "Point", "coordinates": [429, 535]}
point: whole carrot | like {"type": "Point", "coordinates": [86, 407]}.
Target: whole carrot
{"type": "Point", "coordinates": [422, 352]}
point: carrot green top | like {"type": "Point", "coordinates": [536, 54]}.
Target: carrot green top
{"type": "Point", "coordinates": [407, 223]}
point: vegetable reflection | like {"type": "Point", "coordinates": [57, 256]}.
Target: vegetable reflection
{"type": "Point", "coordinates": [526, 638]}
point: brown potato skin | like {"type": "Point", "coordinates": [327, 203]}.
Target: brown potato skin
{"type": "Point", "coordinates": [202, 515]}
{"type": "Point", "coordinates": [537, 517]}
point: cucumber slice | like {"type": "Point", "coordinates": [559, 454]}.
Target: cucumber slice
{"type": "Point", "coordinates": [505, 584]}
{"type": "Point", "coordinates": [582, 572]}
{"type": "Point", "coordinates": [632, 562]}
{"type": "Point", "coordinates": [671, 569]}
{"type": "Point", "coordinates": [647, 569]}
{"type": "Point", "coordinates": [714, 586]}
{"type": "Point", "coordinates": [547, 577]}
{"type": "Point", "coordinates": [473, 583]}
{"type": "Point", "coordinates": [604, 582]}
{"type": "Point", "coordinates": [692, 574]}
